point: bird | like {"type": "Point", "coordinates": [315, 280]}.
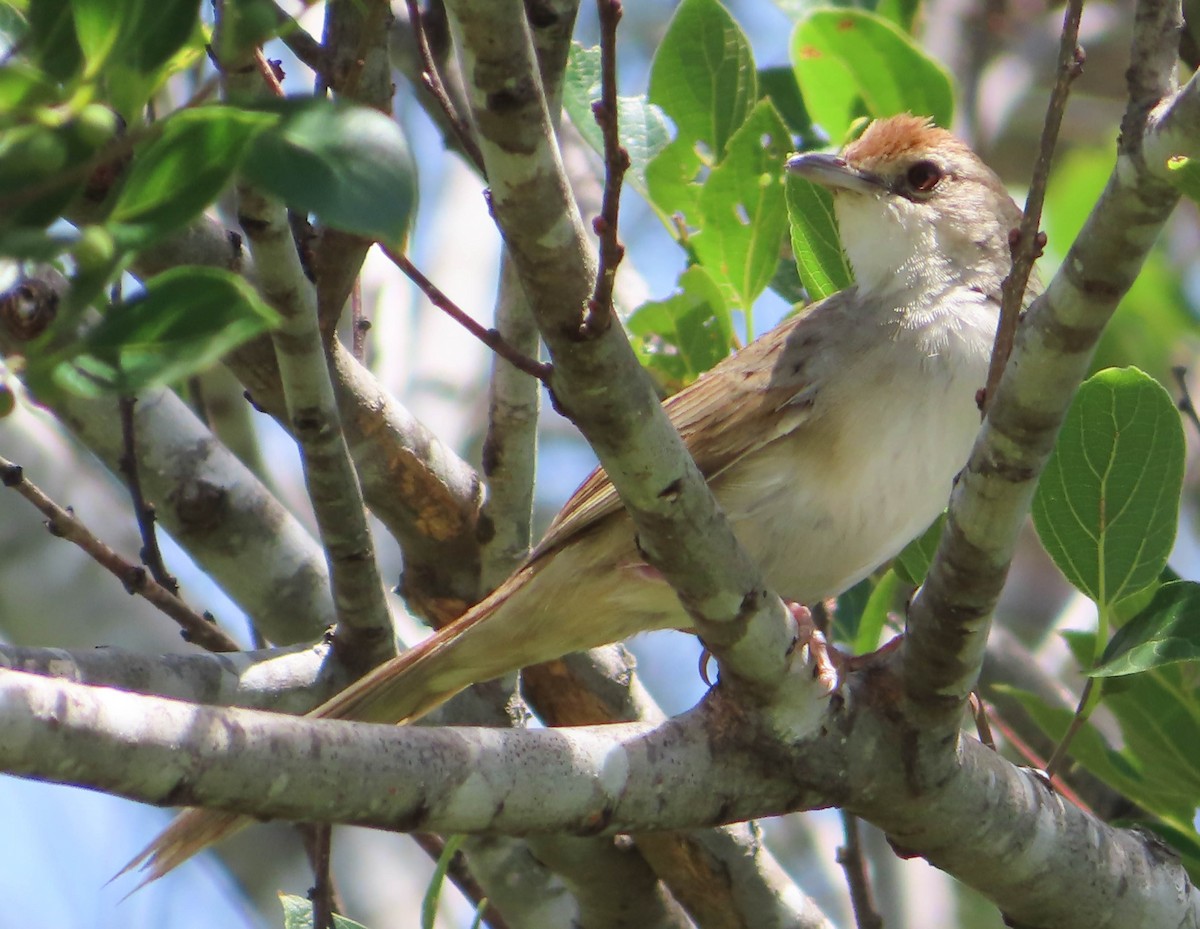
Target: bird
{"type": "Point", "coordinates": [830, 442]}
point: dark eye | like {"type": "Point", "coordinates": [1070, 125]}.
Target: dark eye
{"type": "Point", "coordinates": [924, 176]}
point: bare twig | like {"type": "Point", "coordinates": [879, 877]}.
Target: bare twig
{"type": "Point", "coordinates": [1082, 712]}
{"type": "Point", "coordinates": [63, 523]}
{"type": "Point", "coordinates": [143, 510]}
{"type": "Point", "coordinates": [1186, 407]}
{"type": "Point", "coordinates": [1028, 242]}
{"type": "Point", "coordinates": [489, 337]}
{"type": "Point", "coordinates": [270, 72]}
{"type": "Point", "coordinates": [432, 80]}
{"type": "Point", "coordinates": [850, 857]}
{"type": "Point", "coordinates": [616, 163]}
{"type": "Point", "coordinates": [323, 894]}
{"type": "Point", "coordinates": [301, 43]}
{"type": "Point", "coordinates": [433, 846]}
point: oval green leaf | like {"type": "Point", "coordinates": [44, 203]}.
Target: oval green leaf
{"type": "Point", "coordinates": [182, 171]}
{"type": "Point", "coordinates": [185, 321]}
{"type": "Point", "coordinates": [1107, 504]}
{"type": "Point", "coordinates": [350, 165]}
{"type": "Point", "coordinates": [851, 63]}
{"type": "Point", "coordinates": [1165, 632]}
{"type": "Point", "coordinates": [816, 246]}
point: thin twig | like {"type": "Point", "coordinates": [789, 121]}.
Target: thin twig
{"type": "Point", "coordinates": [1186, 407]}
{"type": "Point", "coordinates": [64, 524]}
{"type": "Point", "coordinates": [461, 877]}
{"type": "Point", "coordinates": [143, 510]}
{"type": "Point", "coordinates": [1035, 760]}
{"type": "Point", "coordinates": [489, 337]}
{"type": "Point", "coordinates": [301, 43]}
{"type": "Point", "coordinates": [850, 857]}
{"type": "Point", "coordinates": [1077, 722]}
{"type": "Point", "coordinates": [270, 72]}
{"type": "Point", "coordinates": [1028, 240]}
{"type": "Point", "coordinates": [431, 78]}
{"type": "Point", "coordinates": [318, 842]}
{"type": "Point", "coordinates": [616, 163]}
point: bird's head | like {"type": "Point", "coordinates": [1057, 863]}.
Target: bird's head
{"type": "Point", "coordinates": [918, 212]}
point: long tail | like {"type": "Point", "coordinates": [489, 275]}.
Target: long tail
{"type": "Point", "coordinates": [478, 646]}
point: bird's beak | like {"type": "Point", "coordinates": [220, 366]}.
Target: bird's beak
{"type": "Point", "coordinates": [835, 172]}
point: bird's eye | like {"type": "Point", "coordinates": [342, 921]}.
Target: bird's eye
{"type": "Point", "coordinates": [924, 176]}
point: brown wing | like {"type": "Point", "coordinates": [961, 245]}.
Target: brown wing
{"type": "Point", "coordinates": [746, 401]}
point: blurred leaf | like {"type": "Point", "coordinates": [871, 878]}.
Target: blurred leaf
{"type": "Point", "coordinates": [23, 86]}
{"type": "Point", "coordinates": [1166, 631]}
{"type": "Point", "coordinates": [875, 614]}
{"type": "Point", "coordinates": [38, 170]}
{"type": "Point", "coordinates": [182, 171]}
{"type": "Point", "coordinates": [848, 613]}
{"type": "Point", "coordinates": [851, 63]}
{"type": "Point", "coordinates": [913, 563]}
{"type": "Point", "coordinates": [743, 213]}
{"type": "Point", "coordinates": [350, 165]}
{"type": "Point", "coordinates": [98, 27]}
{"type": "Point", "coordinates": [297, 914]}
{"type": "Point", "coordinates": [703, 78]}
{"type": "Point", "coordinates": [681, 337]}
{"type": "Point", "coordinates": [779, 83]}
{"type": "Point", "coordinates": [643, 128]}
{"type": "Point", "coordinates": [820, 260]}
{"type": "Point", "coordinates": [160, 29]}
{"type": "Point", "coordinates": [429, 904]}
{"type": "Point", "coordinates": [1107, 504]}
{"type": "Point", "coordinates": [185, 321]}
{"type": "Point", "coordinates": [55, 45]}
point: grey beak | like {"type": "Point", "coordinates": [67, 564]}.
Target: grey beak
{"type": "Point", "coordinates": [834, 171]}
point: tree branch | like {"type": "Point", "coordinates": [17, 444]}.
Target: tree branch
{"type": "Point", "coordinates": [201, 630]}
{"type": "Point", "coordinates": [363, 634]}
{"type": "Point", "coordinates": [948, 621]}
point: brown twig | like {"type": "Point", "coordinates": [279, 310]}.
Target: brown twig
{"type": "Point", "coordinates": [63, 523]}
{"type": "Point", "coordinates": [431, 78]}
{"type": "Point", "coordinates": [318, 842]}
{"type": "Point", "coordinates": [1029, 242]}
{"type": "Point", "coordinates": [1078, 721]}
{"type": "Point", "coordinates": [616, 163]}
{"type": "Point", "coordinates": [143, 510]}
{"type": "Point", "coordinates": [1035, 760]}
{"type": "Point", "coordinates": [270, 72]}
{"type": "Point", "coordinates": [850, 857]}
{"type": "Point", "coordinates": [301, 43]}
{"type": "Point", "coordinates": [433, 846]}
{"type": "Point", "coordinates": [1186, 407]}
{"type": "Point", "coordinates": [489, 337]}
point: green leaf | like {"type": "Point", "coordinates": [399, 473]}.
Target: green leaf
{"type": "Point", "coordinates": [297, 914]}
{"type": "Point", "coordinates": [779, 83]}
{"type": "Point", "coordinates": [742, 207]}
{"type": "Point", "coordinates": [1108, 502]}
{"type": "Point", "coordinates": [55, 45]}
{"type": "Point", "coordinates": [1165, 632]}
{"type": "Point", "coordinates": [159, 30]}
{"type": "Point", "coordinates": [642, 127]}
{"type": "Point", "coordinates": [429, 904]}
{"type": "Point", "coordinates": [703, 78]}
{"type": "Point", "coordinates": [185, 321]}
{"type": "Point", "coordinates": [875, 613]}
{"type": "Point", "coordinates": [98, 27]}
{"type": "Point", "coordinates": [820, 261]}
{"type": "Point", "coordinates": [913, 563]}
{"type": "Point", "coordinates": [350, 165]}
{"type": "Point", "coordinates": [851, 63]}
{"type": "Point", "coordinates": [681, 337]}
{"type": "Point", "coordinates": [182, 171]}
{"type": "Point", "coordinates": [848, 613]}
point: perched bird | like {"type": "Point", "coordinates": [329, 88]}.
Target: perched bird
{"type": "Point", "coordinates": [830, 442]}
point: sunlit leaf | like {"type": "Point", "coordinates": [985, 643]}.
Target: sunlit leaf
{"type": "Point", "coordinates": [1107, 504]}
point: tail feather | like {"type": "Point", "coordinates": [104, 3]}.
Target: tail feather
{"type": "Point", "coordinates": [399, 691]}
